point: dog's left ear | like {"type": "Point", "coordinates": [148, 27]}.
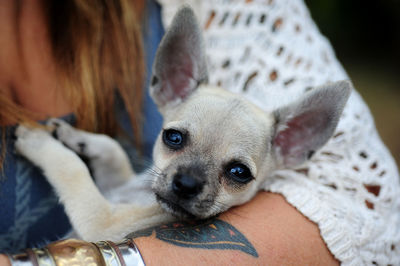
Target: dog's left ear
{"type": "Point", "coordinates": [180, 63]}
{"type": "Point", "coordinates": [304, 126]}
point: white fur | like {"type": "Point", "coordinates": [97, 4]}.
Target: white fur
{"type": "Point", "coordinates": [222, 127]}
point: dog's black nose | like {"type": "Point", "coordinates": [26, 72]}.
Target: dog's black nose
{"type": "Point", "coordinates": [185, 186]}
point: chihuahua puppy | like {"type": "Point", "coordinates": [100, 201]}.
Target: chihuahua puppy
{"type": "Point", "coordinates": [215, 151]}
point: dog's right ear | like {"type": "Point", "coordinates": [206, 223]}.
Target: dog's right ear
{"type": "Point", "coordinates": [180, 62]}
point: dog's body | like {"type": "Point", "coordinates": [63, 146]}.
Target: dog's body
{"type": "Point", "coordinates": [215, 151]}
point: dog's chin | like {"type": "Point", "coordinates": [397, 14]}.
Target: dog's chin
{"type": "Point", "coordinates": [175, 209]}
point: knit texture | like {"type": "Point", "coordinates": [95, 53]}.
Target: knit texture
{"type": "Point", "coordinates": [271, 52]}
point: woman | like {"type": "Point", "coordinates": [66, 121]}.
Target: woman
{"type": "Point", "coordinates": [67, 31]}
{"type": "Point", "coordinates": [275, 230]}
{"type": "Point", "coordinates": [58, 59]}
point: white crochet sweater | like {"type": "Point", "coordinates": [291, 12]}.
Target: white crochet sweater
{"type": "Point", "coordinates": [271, 49]}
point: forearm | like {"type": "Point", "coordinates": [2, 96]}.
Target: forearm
{"type": "Point", "coordinates": [279, 234]}
{"type": "Point", "coordinates": [265, 231]}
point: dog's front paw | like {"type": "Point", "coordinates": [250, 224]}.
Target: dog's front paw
{"type": "Point", "coordinates": [59, 128]}
{"type": "Point", "coordinates": [31, 141]}
{"type": "Point", "coordinates": [71, 137]}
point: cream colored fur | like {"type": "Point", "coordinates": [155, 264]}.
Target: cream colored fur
{"type": "Point", "coordinates": [220, 128]}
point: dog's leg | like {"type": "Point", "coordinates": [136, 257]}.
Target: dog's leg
{"type": "Point", "coordinates": [92, 216]}
{"type": "Point", "coordinates": [108, 162]}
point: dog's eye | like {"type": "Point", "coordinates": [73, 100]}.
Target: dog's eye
{"type": "Point", "coordinates": [174, 139]}
{"type": "Point", "coordinates": [239, 173]}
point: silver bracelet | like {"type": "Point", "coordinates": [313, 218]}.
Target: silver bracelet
{"type": "Point", "coordinates": [124, 253]}
{"type": "Point", "coordinates": [22, 259]}
{"type": "Point", "coordinates": [131, 253]}
{"type": "Point", "coordinates": [78, 252]}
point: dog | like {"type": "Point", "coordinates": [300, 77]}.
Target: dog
{"type": "Point", "coordinates": [215, 151]}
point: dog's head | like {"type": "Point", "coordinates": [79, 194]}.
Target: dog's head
{"type": "Point", "coordinates": [216, 148]}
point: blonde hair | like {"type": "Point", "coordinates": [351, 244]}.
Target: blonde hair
{"type": "Point", "coordinates": [97, 49]}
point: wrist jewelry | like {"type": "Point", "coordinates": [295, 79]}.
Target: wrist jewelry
{"type": "Point", "coordinates": [124, 253]}
{"type": "Point", "coordinates": [78, 252]}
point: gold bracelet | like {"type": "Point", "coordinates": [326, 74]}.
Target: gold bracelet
{"type": "Point", "coordinates": [78, 252]}
{"type": "Point", "coordinates": [61, 253]}
{"type": "Point", "coordinates": [74, 252]}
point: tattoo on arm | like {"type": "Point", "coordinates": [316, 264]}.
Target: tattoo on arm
{"type": "Point", "coordinates": [209, 234]}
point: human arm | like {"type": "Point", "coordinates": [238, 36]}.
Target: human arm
{"type": "Point", "coordinates": [279, 234]}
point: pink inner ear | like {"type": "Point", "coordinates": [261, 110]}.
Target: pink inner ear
{"type": "Point", "coordinates": [178, 79]}
{"type": "Point", "coordinates": [300, 136]}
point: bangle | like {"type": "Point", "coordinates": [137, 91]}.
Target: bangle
{"type": "Point", "coordinates": [73, 252]}
{"type": "Point", "coordinates": [23, 259]}
{"type": "Point", "coordinates": [130, 253]}
{"type": "Point", "coordinates": [77, 252]}
{"type": "Point", "coordinates": [32, 257]}
{"type": "Point", "coordinates": [124, 253]}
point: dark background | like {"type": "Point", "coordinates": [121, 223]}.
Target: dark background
{"type": "Point", "coordinates": [366, 38]}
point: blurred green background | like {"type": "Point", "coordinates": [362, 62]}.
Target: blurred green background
{"type": "Point", "coordinates": [366, 38]}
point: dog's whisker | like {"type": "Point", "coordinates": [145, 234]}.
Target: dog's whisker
{"type": "Point", "coordinates": [219, 206]}
{"type": "Point", "coordinates": [154, 169]}
{"type": "Point", "coordinates": [153, 172]}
